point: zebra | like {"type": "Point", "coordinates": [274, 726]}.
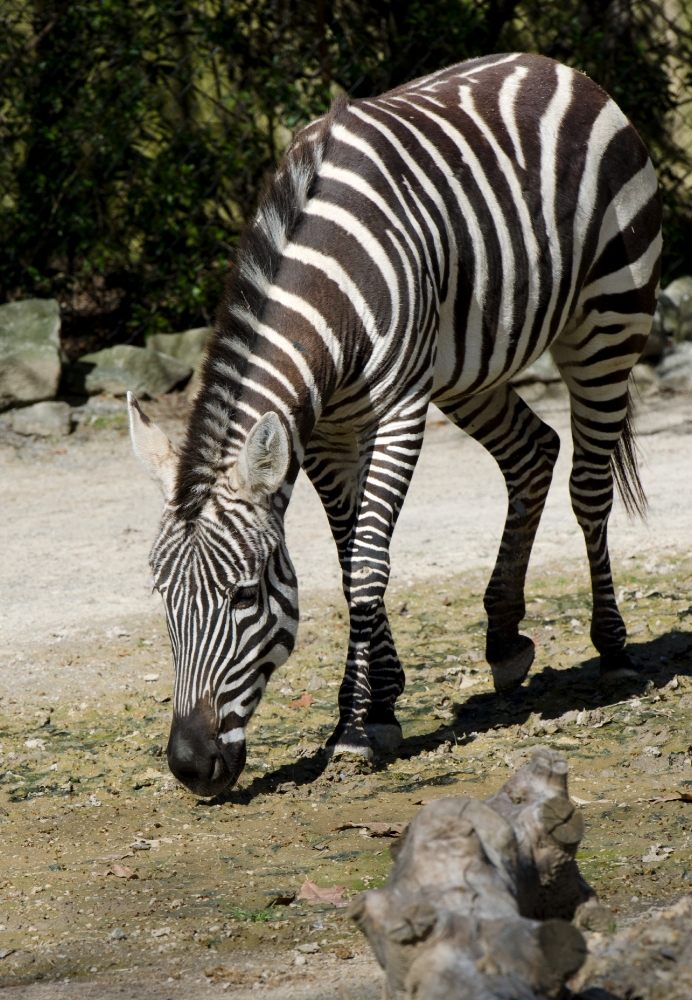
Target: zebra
{"type": "Point", "coordinates": [428, 244]}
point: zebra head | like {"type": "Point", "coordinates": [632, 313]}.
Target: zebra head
{"type": "Point", "coordinates": [230, 594]}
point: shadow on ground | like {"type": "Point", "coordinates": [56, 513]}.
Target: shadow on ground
{"type": "Point", "coordinates": [550, 693]}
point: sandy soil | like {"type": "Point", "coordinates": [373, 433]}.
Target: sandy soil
{"type": "Point", "coordinates": [85, 681]}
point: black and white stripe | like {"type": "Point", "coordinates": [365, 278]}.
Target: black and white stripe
{"type": "Point", "coordinates": [427, 244]}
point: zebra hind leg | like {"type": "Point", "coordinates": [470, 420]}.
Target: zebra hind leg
{"type": "Point", "coordinates": [602, 436]}
{"type": "Point", "coordinates": [387, 681]}
{"type": "Point", "coordinates": [526, 450]}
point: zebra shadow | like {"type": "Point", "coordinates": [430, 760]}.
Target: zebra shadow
{"type": "Point", "coordinates": [551, 693]}
{"type": "Point", "coordinates": [287, 779]}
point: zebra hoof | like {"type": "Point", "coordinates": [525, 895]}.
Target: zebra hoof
{"type": "Point", "coordinates": [385, 736]}
{"type": "Point", "coordinates": [616, 668]}
{"type": "Point", "coordinates": [509, 674]}
{"type": "Point", "coordinates": [357, 750]}
{"type": "Point", "coordinates": [349, 740]}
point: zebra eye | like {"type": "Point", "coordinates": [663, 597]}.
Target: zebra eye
{"type": "Point", "coordinates": [242, 597]}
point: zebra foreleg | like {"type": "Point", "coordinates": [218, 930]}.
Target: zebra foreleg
{"type": "Point", "coordinates": [387, 681]}
{"type": "Point", "coordinates": [373, 680]}
{"type": "Point", "coordinates": [374, 674]}
{"type": "Point", "coordinates": [388, 456]}
{"type": "Point", "coordinates": [526, 450]}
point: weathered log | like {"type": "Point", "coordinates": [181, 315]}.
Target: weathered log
{"type": "Point", "coordinates": [477, 904]}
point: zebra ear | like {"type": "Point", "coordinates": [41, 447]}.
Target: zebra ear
{"type": "Point", "coordinates": [152, 448]}
{"type": "Point", "coordinates": [263, 460]}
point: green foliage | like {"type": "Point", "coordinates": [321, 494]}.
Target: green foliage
{"type": "Point", "coordinates": [254, 916]}
{"type": "Point", "coordinates": [134, 137]}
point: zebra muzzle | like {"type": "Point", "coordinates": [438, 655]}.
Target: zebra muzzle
{"type": "Point", "coordinates": [198, 759]}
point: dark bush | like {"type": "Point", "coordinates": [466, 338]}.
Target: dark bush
{"type": "Point", "coordinates": [134, 136]}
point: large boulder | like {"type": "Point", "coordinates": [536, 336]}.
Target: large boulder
{"type": "Point", "coordinates": [675, 304]}
{"type": "Point", "coordinates": [189, 347]}
{"type": "Point", "coordinates": [29, 351]}
{"type": "Point", "coordinates": [675, 370]}
{"type": "Point", "coordinates": [123, 368]}
{"type": "Point", "coordinates": [673, 318]}
{"type": "Point", "coordinates": [49, 419]}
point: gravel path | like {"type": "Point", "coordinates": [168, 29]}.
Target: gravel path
{"type": "Point", "coordinates": [80, 515]}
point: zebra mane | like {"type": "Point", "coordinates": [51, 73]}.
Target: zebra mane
{"type": "Point", "coordinates": [213, 435]}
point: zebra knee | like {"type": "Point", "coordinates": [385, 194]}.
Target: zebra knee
{"type": "Point", "coordinates": [364, 587]}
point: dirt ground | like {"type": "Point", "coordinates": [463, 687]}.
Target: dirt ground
{"type": "Point", "coordinates": [86, 677]}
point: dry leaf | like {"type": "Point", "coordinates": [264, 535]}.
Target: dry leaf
{"type": "Point", "coordinates": [672, 797]}
{"type": "Point", "coordinates": [467, 681]}
{"type": "Point", "coordinates": [236, 977]}
{"type": "Point", "coordinates": [120, 871]}
{"type": "Point", "coordinates": [305, 701]}
{"type": "Point", "coordinates": [218, 973]}
{"type": "Point", "coordinates": [376, 829]}
{"type": "Point", "coordinates": [312, 894]}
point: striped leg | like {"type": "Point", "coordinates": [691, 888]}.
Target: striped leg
{"type": "Point", "coordinates": [333, 463]}
{"type": "Point", "coordinates": [526, 450]}
{"type": "Point", "coordinates": [388, 457]}
{"type": "Point", "coordinates": [387, 681]}
{"type": "Point", "coordinates": [595, 362]}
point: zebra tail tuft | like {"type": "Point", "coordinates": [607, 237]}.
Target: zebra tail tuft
{"type": "Point", "coordinates": [625, 467]}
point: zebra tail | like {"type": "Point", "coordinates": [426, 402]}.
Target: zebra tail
{"type": "Point", "coordinates": [624, 463]}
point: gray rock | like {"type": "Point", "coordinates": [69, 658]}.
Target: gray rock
{"type": "Point", "coordinates": [676, 300]}
{"type": "Point", "coordinates": [543, 370]}
{"type": "Point", "coordinates": [117, 935]}
{"type": "Point", "coordinates": [645, 379]}
{"type": "Point", "coordinates": [189, 347]}
{"type": "Point", "coordinates": [316, 683]}
{"type": "Point", "coordinates": [675, 370]}
{"type": "Point", "coordinates": [29, 351]}
{"type": "Point", "coordinates": [117, 370]}
{"type": "Point", "coordinates": [657, 340]}
{"type": "Point", "coordinates": [49, 419]}
{"type": "Point", "coordinates": [673, 318]}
